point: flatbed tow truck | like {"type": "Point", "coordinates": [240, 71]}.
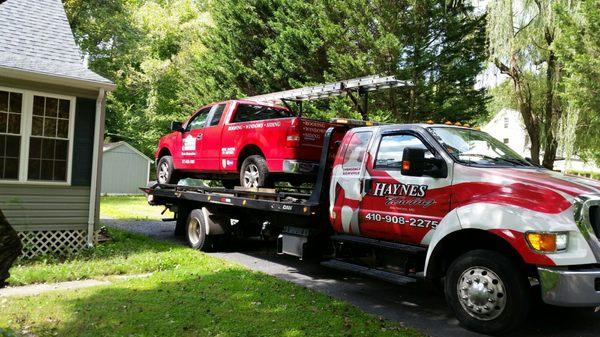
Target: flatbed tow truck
{"type": "Point", "coordinates": [418, 201]}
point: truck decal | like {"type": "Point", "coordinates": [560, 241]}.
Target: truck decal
{"type": "Point", "coordinates": [189, 143]}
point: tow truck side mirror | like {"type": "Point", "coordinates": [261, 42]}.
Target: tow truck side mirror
{"type": "Point", "coordinates": [415, 164]}
{"type": "Point", "coordinates": [176, 126]}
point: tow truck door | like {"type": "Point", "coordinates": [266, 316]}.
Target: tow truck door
{"type": "Point", "coordinates": [398, 207]}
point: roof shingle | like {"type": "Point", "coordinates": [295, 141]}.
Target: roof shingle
{"type": "Point", "coordinates": [35, 36]}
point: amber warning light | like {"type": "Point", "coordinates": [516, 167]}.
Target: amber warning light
{"type": "Point", "coordinates": [406, 165]}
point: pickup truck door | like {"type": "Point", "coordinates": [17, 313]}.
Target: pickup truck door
{"type": "Point", "coordinates": [398, 207]}
{"type": "Point", "coordinates": [191, 141]}
{"type": "Point", "coordinates": [210, 147]}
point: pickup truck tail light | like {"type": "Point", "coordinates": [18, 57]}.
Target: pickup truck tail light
{"type": "Point", "coordinates": [293, 134]}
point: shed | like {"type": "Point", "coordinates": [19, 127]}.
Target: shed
{"type": "Point", "coordinates": [51, 129]}
{"type": "Point", "coordinates": [124, 169]}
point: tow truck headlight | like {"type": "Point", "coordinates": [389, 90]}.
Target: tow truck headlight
{"type": "Point", "coordinates": [547, 242]}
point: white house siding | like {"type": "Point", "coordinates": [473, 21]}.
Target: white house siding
{"type": "Point", "coordinates": [507, 126]}
{"type": "Point", "coordinates": [124, 171]}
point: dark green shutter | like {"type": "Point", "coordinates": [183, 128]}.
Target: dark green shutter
{"type": "Point", "coordinates": [83, 142]}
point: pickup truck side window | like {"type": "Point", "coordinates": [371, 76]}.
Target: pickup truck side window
{"type": "Point", "coordinates": [250, 112]}
{"type": "Point", "coordinates": [199, 121]}
{"type": "Point", "coordinates": [216, 112]}
{"type": "Point", "coordinates": [355, 152]}
{"type": "Point", "coordinates": [391, 148]}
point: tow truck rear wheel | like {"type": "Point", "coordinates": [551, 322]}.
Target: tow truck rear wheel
{"type": "Point", "coordinates": [254, 172]}
{"type": "Point", "coordinates": [487, 292]}
{"type": "Point", "coordinates": [196, 232]}
{"type": "Point", "coordinates": [165, 171]}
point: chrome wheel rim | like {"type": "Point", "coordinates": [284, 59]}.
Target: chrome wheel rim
{"type": "Point", "coordinates": [194, 229]}
{"type": "Point", "coordinates": [251, 175]}
{"type": "Point", "coordinates": [481, 293]}
{"type": "Point", "coordinates": [163, 173]}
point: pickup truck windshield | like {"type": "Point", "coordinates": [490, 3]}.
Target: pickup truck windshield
{"type": "Point", "coordinates": [475, 147]}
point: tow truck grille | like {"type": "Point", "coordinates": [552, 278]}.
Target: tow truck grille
{"type": "Point", "coordinates": [595, 219]}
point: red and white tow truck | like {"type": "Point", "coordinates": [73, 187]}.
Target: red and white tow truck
{"type": "Point", "coordinates": [406, 202]}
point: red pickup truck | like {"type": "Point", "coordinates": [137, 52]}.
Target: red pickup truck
{"type": "Point", "coordinates": [258, 143]}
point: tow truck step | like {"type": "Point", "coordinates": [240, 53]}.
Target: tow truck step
{"type": "Point", "coordinates": [379, 243]}
{"type": "Point", "coordinates": [375, 273]}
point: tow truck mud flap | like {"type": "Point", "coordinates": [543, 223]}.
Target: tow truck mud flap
{"type": "Point", "coordinates": [292, 241]}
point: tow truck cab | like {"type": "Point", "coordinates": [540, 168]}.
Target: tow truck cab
{"type": "Point", "coordinates": [492, 224]}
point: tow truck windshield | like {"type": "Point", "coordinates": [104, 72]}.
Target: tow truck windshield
{"type": "Point", "coordinates": [475, 147]}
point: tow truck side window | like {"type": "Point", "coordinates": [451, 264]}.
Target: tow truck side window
{"type": "Point", "coordinates": [391, 148]}
{"type": "Point", "coordinates": [199, 121]}
{"type": "Point", "coordinates": [250, 112]}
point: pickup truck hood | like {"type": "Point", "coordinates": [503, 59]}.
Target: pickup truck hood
{"type": "Point", "coordinates": [536, 189]}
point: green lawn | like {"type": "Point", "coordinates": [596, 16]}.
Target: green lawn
{"type": "Point", "coordinates": [188, 294]}
{"type": "Point", "coordinates": [130, 208]}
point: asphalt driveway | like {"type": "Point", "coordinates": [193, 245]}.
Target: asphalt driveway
{"type": "Point", "coordinates": [417, 305]}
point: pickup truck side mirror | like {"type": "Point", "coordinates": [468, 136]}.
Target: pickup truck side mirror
{"type": "Point", "coordinates": [176, 126]}
{"type": "Point", "coordinates": [415, 164]}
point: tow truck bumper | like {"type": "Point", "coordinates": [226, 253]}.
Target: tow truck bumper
{"type": "Point", "coordinates": [570, 288]}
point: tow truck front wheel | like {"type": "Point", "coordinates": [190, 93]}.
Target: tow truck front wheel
{"type": "Point", "coordinates": [487, 292]}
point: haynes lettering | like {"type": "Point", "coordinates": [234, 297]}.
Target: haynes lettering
{"type": "Point", "coordinates": [399, 189]}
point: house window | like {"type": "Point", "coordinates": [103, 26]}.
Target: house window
{"type": "Point", "coordinates": [11, 104]}
{"type": "Point", "coordinates": [505, 140]}
{"type": "Point", "coordinates": [36, 134]}
{"type": "Point", "coordinates": [49, 141]}
{"type": "Point", "coordinates": [506, 122]}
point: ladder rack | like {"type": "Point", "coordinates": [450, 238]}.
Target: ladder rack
{"type": "Point", "coordinates": [362, 85]}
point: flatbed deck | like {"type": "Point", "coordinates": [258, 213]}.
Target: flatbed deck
{"type": "Point", "coordinates": [284, 202]}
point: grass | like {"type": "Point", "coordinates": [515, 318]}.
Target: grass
{"type": "Point", "coordinates": [130, 208]}
{"type": "Point", "coordinates": [188, 294]}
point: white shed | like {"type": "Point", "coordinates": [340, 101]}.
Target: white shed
{"type": "Point", "coordinates": [124, 169]}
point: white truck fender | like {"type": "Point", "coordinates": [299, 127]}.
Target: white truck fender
{"type": "Point", "coordinates": [449, 224]}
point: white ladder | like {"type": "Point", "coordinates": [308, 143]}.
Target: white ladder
{"type": "Point", "coordinates": [364, 84]}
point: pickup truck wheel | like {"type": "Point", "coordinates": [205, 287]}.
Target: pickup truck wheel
{"type": "Point", "coordinates": [254, 172]}
{"type": "Point", "coordinates": [196, 232]}
{"type": "Point", "coordinates": [487, 292]}
{"type": "Point", "coordinates": [165, 171]}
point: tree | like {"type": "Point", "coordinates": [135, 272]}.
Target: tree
{"type": "Point", "coordinates": [521, 35]}
{"type": "Point", "coordinates": [578, 48]}
{"type": "Point", "coordinates": [169, 57]}
{"type": "Point", "coordinates": [143, 46]}
{"type": "Point", "coordinates": [260, 46]}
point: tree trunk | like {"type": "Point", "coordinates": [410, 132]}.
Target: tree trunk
{"type": "Point", "coordinates": [10, 248]}
{"type": "Point", "coordinates": [524, 101]}
{"type": "Point", "coordinates": [552, 111]}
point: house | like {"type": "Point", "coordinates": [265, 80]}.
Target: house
{"type": "Point", "coordinates": [124, 169]}
{"type": "Point", "coordinates": [51, 129]}
{"type": "Point", "coordinates": [508, 127]}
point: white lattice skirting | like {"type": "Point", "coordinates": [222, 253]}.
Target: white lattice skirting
{"type": "Point", "coordinates": [59, 242]}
